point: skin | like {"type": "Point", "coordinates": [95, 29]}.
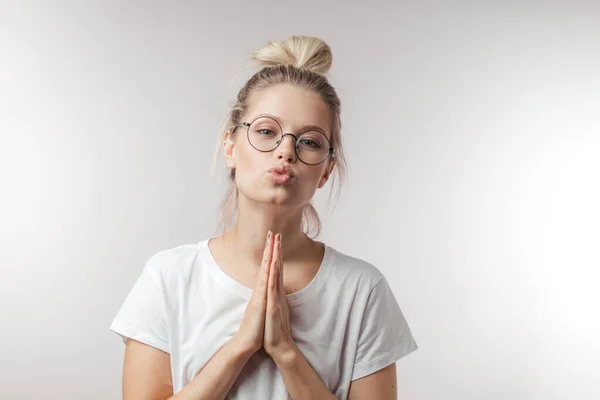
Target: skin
{"type": "Point", "coordinates": [244, 253]}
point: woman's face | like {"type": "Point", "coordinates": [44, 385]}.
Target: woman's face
{"type": "Point", "coordinates": [295, 109]}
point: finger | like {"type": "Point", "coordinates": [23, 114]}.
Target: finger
{"type": "Point", "coordinates": [270, 247]}
{"type": "Point", "coordinates": [272, 288]}
{"type": "Point", "coordinates": [275, 262]}
{"type": "Point", "coordinates": [280, 267]}
{"type": "Point", "coordinates": [265, 262]}
{"type": "Point", "coordinates": [268, 257]}
{"type": "Point", "coordinates": [274, 268]}
{"type": "Point", "coordinates": [277, 248]}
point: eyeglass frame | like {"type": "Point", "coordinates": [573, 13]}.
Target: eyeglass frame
{"type": "Point", "coordinates": [330, 153]}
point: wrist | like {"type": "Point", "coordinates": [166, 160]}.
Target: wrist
{"type": "Point", "coordinates": [242, 346]}
{"type": "Point", "coordinates": [287, 356]}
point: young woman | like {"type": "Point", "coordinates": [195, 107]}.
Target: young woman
{"type": "Point", "coordinates": [263, 311]}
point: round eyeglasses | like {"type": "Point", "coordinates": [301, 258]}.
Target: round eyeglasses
{"type": "Point", "coordinates": [265, 134]}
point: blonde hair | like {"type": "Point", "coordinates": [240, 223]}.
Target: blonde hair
{"type": "Point", "coordinates": [302, 61]}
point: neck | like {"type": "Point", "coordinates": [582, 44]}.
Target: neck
{"type": "Point", "coordinates": [249, 234]}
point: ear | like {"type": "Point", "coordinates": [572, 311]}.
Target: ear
{"type": "Point", "coordinates": [228, 150]}
{"type": "Point", "coordinates": [327, 173]}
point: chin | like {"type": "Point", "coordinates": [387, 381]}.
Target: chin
{"type": "Point", "coordinates": [265, 191]}
{"type": "Point", "coordinates": [280, 199]}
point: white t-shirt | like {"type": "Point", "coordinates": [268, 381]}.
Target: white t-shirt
{"type": "Point", "coordinates": [346, 321]}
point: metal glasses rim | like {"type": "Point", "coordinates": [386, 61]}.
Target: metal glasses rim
{"type": "Point", "coordinates": [330, 153]}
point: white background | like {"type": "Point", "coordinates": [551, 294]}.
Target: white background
{"type": "Point", "coordinates": [472, 131]}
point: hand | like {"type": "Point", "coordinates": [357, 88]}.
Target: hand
{"type": "Point", "coordinates": [278, 341]}
{"type": "Point", "coordinates": [251, 331]}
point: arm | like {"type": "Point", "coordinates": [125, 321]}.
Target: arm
{"type": "Point", "coordinates": [154, 366]}
{"type": "Point", "coordinates": [301, 380]}
{"type": "Point", "coordinates": [378, 385]}
{"type": "Point", "coordinates": [147, 370]}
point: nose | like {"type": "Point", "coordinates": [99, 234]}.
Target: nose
{"type": "Point", "coordinates": [287, 148]}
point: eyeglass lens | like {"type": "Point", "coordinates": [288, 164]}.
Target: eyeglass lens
{"type": "Point", "coordinates": [265, 133]}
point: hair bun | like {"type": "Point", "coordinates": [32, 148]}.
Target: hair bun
{"type": "Point", "coordinates": [303, 52]}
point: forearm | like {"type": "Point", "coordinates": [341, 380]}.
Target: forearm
{"type": "Point", "coordinates": [217, 377]}
{"type": "Point", "coordinates": [301, 380]}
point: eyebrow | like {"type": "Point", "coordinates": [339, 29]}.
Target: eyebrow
{"type": "Point", "coordinates": [305, 128]}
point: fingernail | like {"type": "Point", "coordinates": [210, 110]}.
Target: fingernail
{"type": "Point", "coordinates": [269, 235]}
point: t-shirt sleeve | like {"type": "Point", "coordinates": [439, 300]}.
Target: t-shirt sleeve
{"type": "Point", "coordinates": [385, 336]}
{"type": "Point", "coordinates": [142, 315]}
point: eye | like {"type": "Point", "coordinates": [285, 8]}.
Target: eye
{"type": "Point", "coordinates": [311, 143]}
{"type": "Point", "coordinates": [260, 131]}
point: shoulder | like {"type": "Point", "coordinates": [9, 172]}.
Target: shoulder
{"type": "Point", "coordinates": [351, 269]}
{"type": "Point", "coordinates": [171, 263]}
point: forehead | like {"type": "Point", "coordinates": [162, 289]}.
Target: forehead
{"type": "Point", "coordinates": [294, 106]}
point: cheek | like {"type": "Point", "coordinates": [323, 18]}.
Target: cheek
{"type": "Point", "coordinates": [246, 157]}
{"type": "Point", "coordinates": [250, 164]}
